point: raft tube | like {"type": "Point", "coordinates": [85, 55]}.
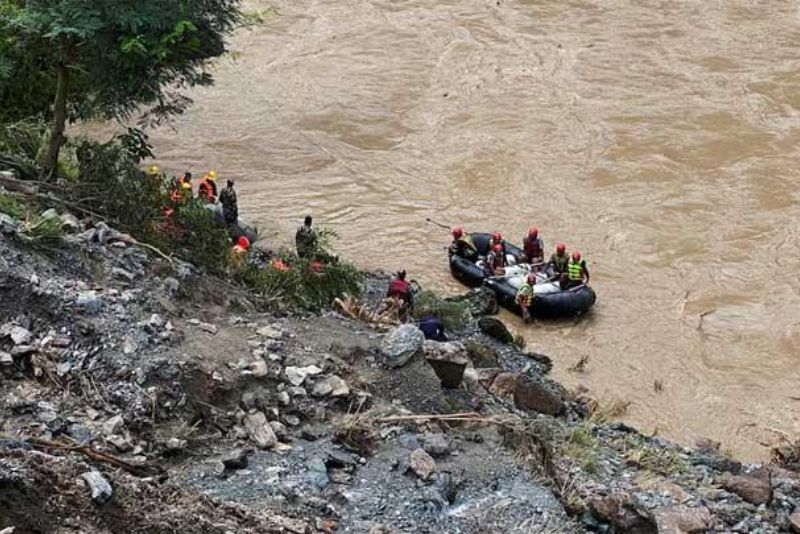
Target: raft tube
{"type": "Point", "coordinates": [550, 300]}
{"type": "Point", "coordinates": [241, 228]}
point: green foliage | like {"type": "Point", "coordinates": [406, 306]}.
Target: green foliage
{"type": "Point", "coordinates": [11, 206]}
{"type": "Point", "coordinates": [44, 233]}
{"type": "Point", "coordinates": [21, 145]}
{"type": "Point", "coordinates": [582, 447]}
{"type": "Point", "coordinates": [454, 315]}
{"type": "Point", "coordinates": [200, 239]}
{"type": "Point", "coordinates": [301, 286]}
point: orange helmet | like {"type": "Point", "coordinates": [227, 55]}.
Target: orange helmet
{"type": "Point", "coordinates": [561, 248]}
{"type": "Point", "coordinates": [498, 248]}
{"type": "Point", "coordinates": [497, 237]}
{"type": "Point", "coordinates": [531, 278]}
{"type": "Point", "coordinates": [458, 232]}
{"type": "Point", "coordinates": [243, 242]}
{"type": "Point", "coordinates": [576, 256]}
{"type": "Point", "coordinates": [533, 232]}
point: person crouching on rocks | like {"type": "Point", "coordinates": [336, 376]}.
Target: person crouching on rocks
{"type": "Point", "coordinates": [239, 252]}
{"type": "Point", "coordinates": [401, 290]}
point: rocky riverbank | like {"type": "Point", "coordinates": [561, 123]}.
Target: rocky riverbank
{"type": "Point", "coordinates": [140, 395]}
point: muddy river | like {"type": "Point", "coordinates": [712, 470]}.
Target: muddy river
{"type": "Point", "coordinates": [659, 138]}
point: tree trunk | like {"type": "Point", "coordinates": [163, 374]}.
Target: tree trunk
{"type": "Point", "coordinates": [50, 163]}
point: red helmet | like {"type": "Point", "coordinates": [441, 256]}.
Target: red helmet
{"type": "Point", "coordinates": [576, 256]}
{"type": "Point", "coordinates": [458, 232]}
{"type": "Point", "coordinates": [497, 237]}
{"type": "Point", "coordinates": [533, 232]}
{"type": "Point", "coordinates": [243, 242]}
{"type": "Point", "coordinates": [531, 278]}
{"type": "Point", "coordinates": [498, 248]}
{"type": "Point", "coordinates": [561, 248]}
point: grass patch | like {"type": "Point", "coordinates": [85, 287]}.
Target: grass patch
{"type": "Point", "coordinates": [11, 206]}
{"type": "Point", "coordinates": [454, 315]}
{"type": "Point", "coordinates": [603, 413]}
{"type": "Point", "coordinates": [661, 460]}
{"type": "Point", "coordinates": [582, 447]}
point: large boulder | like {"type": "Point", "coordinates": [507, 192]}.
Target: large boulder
{"type": "Point", "coordinates": [679, 519]}
{"type": "Point", "coordinates": [480, 301]}
{"type": "Point", "coordinates": [620, 511]}
{"type": "Point", "coordinates": [754, 488]}
{"type": "Point", "coordinates": [259, 430]}
{"type": "Point", "coordinates": [448, 361]}
{"type": "Point", "coordinates": [495, 328]}
{"type": "Point", "coordinates": [401, 344]}
{"type": "Point", "coordinates": [482, 356]}
{"type": "Point", "coordinates": [535, 395]}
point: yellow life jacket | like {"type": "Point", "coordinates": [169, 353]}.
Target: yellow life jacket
{"type": "Point", "coordinates": [575, 271]}
{"type": "Point", "coordinates": [525, 291]}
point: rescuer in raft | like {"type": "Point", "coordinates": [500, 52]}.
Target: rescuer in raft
{"type": "Point", "coordinates": [462, 245]}
{"type": "Point", "coordinates": [559, 259]}
{"type": "Point", "coordinates": [533, 246]}
{"type": "Point", "coordinates": [495, 261]}
{"type": "Point", "coordinates": [577, 271]}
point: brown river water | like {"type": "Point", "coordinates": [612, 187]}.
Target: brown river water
{"type": "Point", "coordinates": [660, 138]}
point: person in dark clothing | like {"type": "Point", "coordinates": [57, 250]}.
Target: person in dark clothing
{"type": "Point", "coordinates": [432, 328]}
{"type": "Point", "coordinates": [230, 207]}
{"type": "Point", "coordinates": [462, 245]}
{"type": "Point", "coordinates": [306, 239]}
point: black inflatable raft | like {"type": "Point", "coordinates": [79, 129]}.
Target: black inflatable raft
{"type": "Point", "coordinates": [242, 227]}
{"type": "Point", "coordinates": [549, 301]}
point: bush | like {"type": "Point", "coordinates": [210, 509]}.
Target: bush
{"type": "Point", "coordinates": [454, 315]}
{"type": "Point", "coordinates": [301, 286]}
{"type": "Point", "coordinates": [200, 240]}
{"type": "Point", "coordinates": [21, 145]}
{"type": "Point", "coordinates": [11, 206]}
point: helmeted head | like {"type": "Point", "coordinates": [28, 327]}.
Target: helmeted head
{"type": "Point", "coordinates": [561, 248]}
{"type": "Point", "coordinates": [230, 184]}
{"type": "Point", "coordinates": [308, 220]}
{"type": "Point", "coordinates": [498, 248]}
{"type": "Point", "coordinates": [153, 170]}
{"type": "Point", "coordinates": [576, 256]}
{"type": "Point", "coordinates": [243, 242]}
{"type": "Point", "coordinates": [458, 232]}
{"type": "Point", "coordinates": [497, 237]}
{"type": "Point", "coordinates": [186, 186]}
{"type": "Point", "coordinates": [187, 176]}
{"type": "Point", "coordinates": [531, 278]}
{"type": "Point", "coordinates": [212, 175]}
{"type": "Point", "coordinates": [533, 232]}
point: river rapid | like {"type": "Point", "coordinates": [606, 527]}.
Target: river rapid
{"type": "Point", "coordinates": [659, 138]}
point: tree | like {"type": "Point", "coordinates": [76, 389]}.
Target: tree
{"type": "Point", "coordinates": [113, 59]}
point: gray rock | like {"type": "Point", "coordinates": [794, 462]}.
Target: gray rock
{"type": "Point", "coordinates": [175, 444]}
{"type": "Point", "coordinates": [482, 356]}
{"type": "Point", "coordinates": [90, 301]}
{"type": "Point", "coordinates": [171, 287]}
{"type": "Point", "coordinates": [70, 223]}
{"type": "Point", "coordinates": [6, 358]}
{"type": "Point", "coordinates": [237, 460]}
{"type": "Point", "coordinates": [49, 214]}
{"type": "Point", "coordinates": [281, 432]}
{"type": "Point", "coordinates": [401, 344]}
{"type": "Point", "coordinates": [318, 472]}
{"type": "Point", "coordinates": [123, 274]}
{"type": "Point", "coordinates": [208, 327]}
{"type": "Point", "coordinates": [683, 519]}
{"type": "Point", "coordinates": [495, 328]}
{"type": "Point", "coordinates": [448, 361]}
{"type": "Point", "coordinates": [298, 375]}
{"type": "Point", "coordinates": [422, 464]}
{"type": "Point", "coordinates": [754, 488]}
{"type": "Point", "coordinates": [332, 386]}
{"type": "Point", "coordinates": [283, 398]}
{"type": "Point", "coordinates": [121, 443]}
{"type": "Point", "coordinates": [794, 521]}
{"type": "Point", "coordinates": [129, 345]}
{"type": "Point", "coordinates": [436, 444]}
{"type": "Point", "coordinates": [79, 433]}
{"type": "Point", "coordinates": [113, 425]}
{"type": "Point", "coordinates": [535, 395]}
{"type": "Point", "coordinates": [100, 488]}
{"type": "Point", "coordinates": [269, 332]}
{"type": "Point", "coordinates": [8, 224]}
{"type": "Point", "coordinates": [19, 335]}
{"type": "Point", "coordinates": [259, 431]}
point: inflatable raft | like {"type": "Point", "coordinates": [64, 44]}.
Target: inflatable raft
{"type": "Point", "coordinates": [241, 228]}
{"type": "Point", "coordinates": [549, 299]}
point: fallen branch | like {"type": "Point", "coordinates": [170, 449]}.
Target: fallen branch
{"type": "Point", "coordinates": [97, 456]}
{"type": "Point", "coordinates": [457, 417]}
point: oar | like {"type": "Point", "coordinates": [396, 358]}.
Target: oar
{"type": "Point", "coordinates": [440, 225]}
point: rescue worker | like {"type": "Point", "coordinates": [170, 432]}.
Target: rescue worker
{"type": "Point", "coordinates": [186, 179]}
{"type": "Point", "coordinates": [533, 246]}
{"type": "Point", "coordinates": [577, 272]}
{"type": "Point", "coordinates": [559, 259]}
{"type": "Point", "coordinates": [524, 297]}
{"type": "Point", "coordinates": [230, 208]}
{"type": "Point", "coordinates": [495, 261]}
{"type": "Point", "coordinates": [239, 252]}
{"type": "Point", "coordinates": [154, 173]}
{"type": "Point", "coordinates": [399, 288]}
{"type": "Point", "coordinates": [305, 239]}
{"type": "Point", "coordinates": [462, 245]}
{"type": "Point", "coordinates": [497, 239]}
{"type": "Point", "coordinates": [207, 190]}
